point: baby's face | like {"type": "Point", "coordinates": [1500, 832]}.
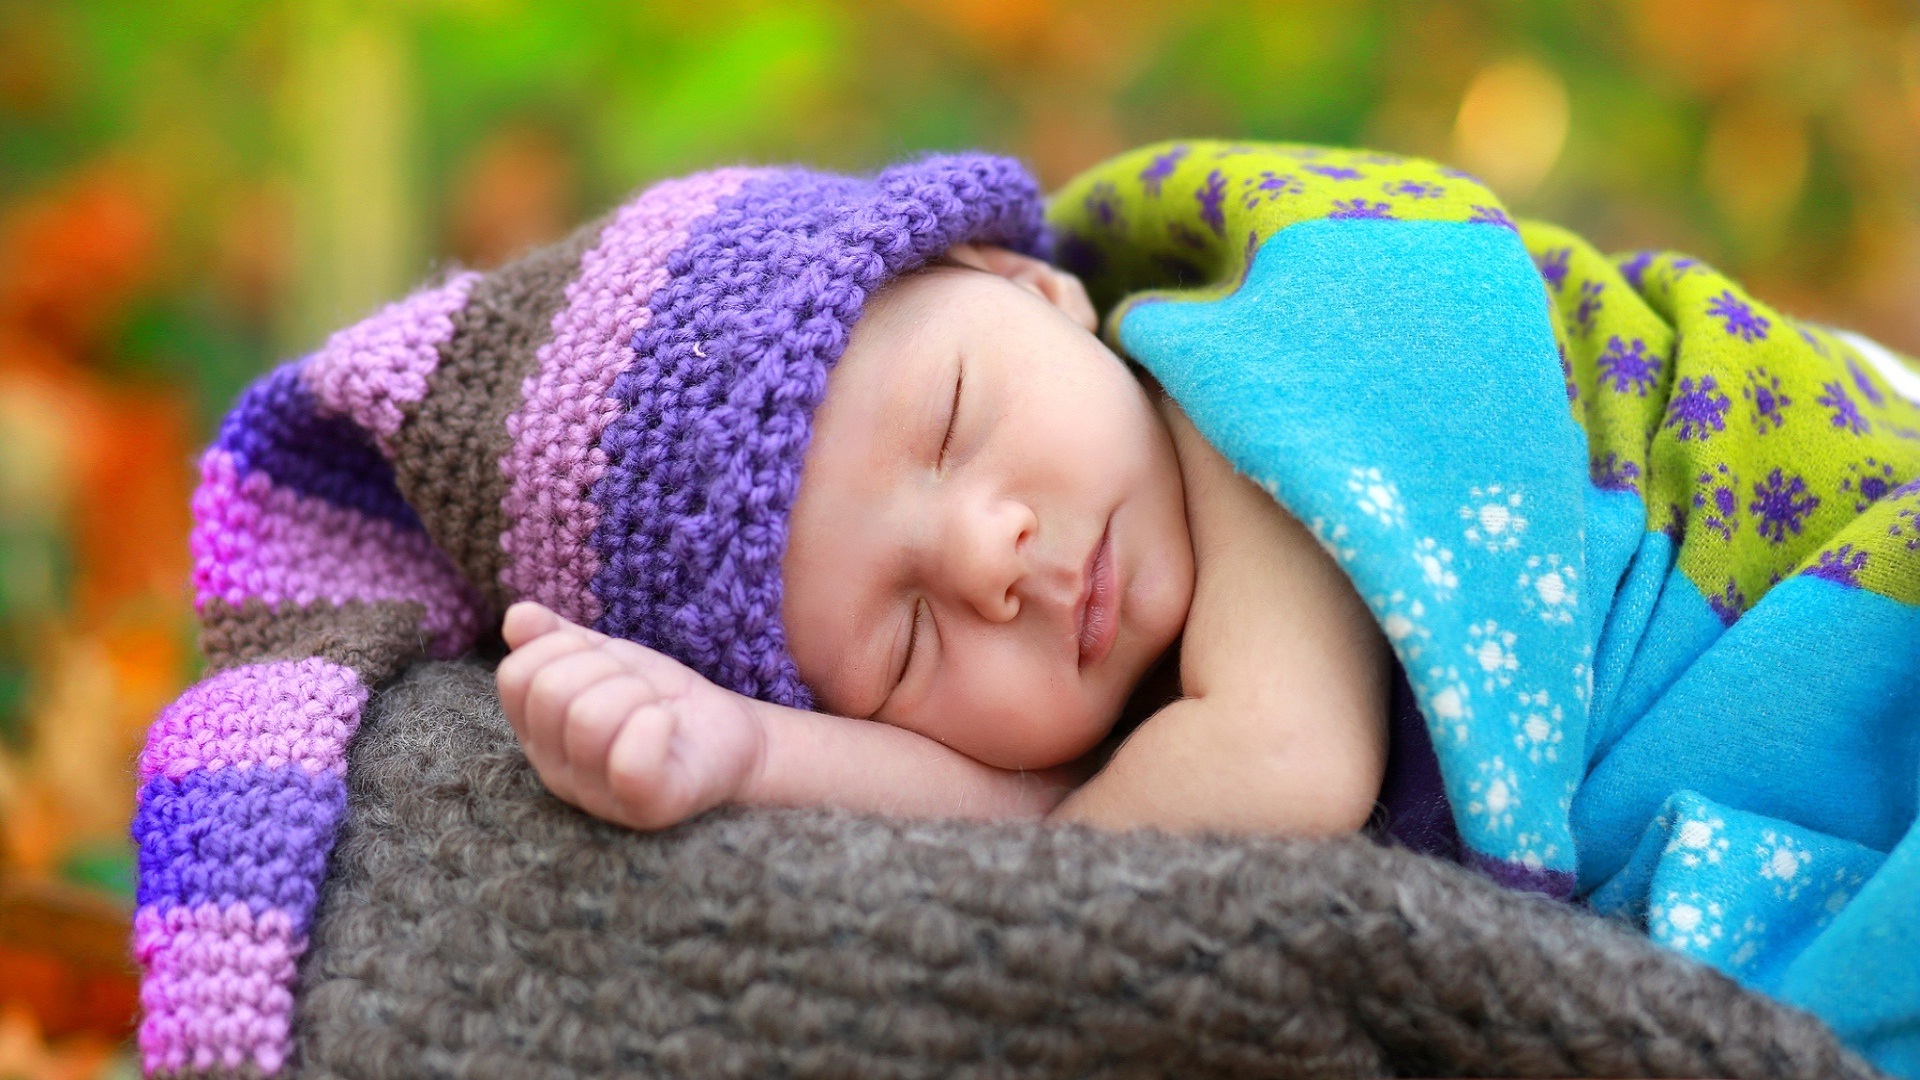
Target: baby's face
{"type": "Point", "coordinates": [989, 546]}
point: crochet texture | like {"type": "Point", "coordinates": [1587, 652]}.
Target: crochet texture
{"type": "Point", "coordinates": [613, 425]}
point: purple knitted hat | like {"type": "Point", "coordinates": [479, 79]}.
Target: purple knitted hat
{"type": "Point", "coordinates": [614, 426]}
{"type": "Point", "coordinates": [704, 462]}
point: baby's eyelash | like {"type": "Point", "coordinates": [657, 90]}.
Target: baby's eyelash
{"type": "Point", "coordinates": [913, 641]}
{"type": "Point", "coordinates": [953, 415]}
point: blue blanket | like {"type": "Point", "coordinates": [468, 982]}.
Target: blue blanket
{"type": "Point", "coordinates": [1647, 550]}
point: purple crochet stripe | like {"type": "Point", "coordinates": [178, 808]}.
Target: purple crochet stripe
{"type": "Point", "coordinates": [258, 837]}
{"type": "Point", "coordinates": [243, 790]}
{"type": "Point", "coordinates": [556, 458]}
{"type": "Point", "coordinates": [277, 428]}
{"type": "Point", "coordinates": [254, 539]}
{"type": "Point", "coordinates": [218, 996]}
{"type": "Point", "coordinates": [289, 712]}
{"type": "Point", "coordinates": [704, 460]}
{"type": "Point", "coordinates": [375, 370]}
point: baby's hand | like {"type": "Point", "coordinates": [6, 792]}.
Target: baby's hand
{"type": "Point", "coordinates": [619, 730]}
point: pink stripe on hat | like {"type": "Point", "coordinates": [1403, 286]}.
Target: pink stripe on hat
{"type": "Point", "coordinates": [254, 539]}
{"type": "Point", "coordinates": [291, 712]}
{"type": "Point", "coordinates": [372, 370]}
{"type": "Point", "coordinates": [219, 987]}
{"type": "Point", "coordinates": [556, 459]}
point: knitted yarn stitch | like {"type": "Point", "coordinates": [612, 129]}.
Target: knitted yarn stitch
{"type": "Point", "coordinates": [614, 425]}
{"type": "Point", "coordinates": [476, 926]}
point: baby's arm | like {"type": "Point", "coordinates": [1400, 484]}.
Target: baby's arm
{"type": "Point", "coordinates": [1284, 726]}
{"type": "Point", "coordinates": [635, 737]}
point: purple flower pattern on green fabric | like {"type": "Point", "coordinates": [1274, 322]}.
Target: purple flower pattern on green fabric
{"type": "Point", "coordinates": [1103, 206]}
{"type": "Point", "coordinates": [1766, 402]}
{"type": "Point", "coordinates": [1160, 168]}
{"type": "Point", "coordinates": [1730, 604]}
{"type": "Point", "coordinates": [1553, 266]}
{"type": "Point", "coordinates": [1698, 410]}
{"type": "Point", "coordinates": [1613, 473]}
{"type": "Point", "coordinates": [1846, 415]}
{"type": "Point", "coordinates": [1270, 187]}
{"type": "Point", "coordinates": [1413, 189]}
{"type": "Point", "coordinates": [1566, 373]}
{"type": "Point", "coordinates": [1906, 520]}
{"type": "Point", "coordinates": [1780, 506]}
{"type": "Point", "coordinates": [1590, 305]}
{"type": "Point", "coordinates": [1635, 269]}
{"type": "Point", "coordinates": [1812, 339]}
{"type": "Point", "coordinates": [1740, 318]}
{"type": "Point", "coordinates": [1627, 365]}
{"type": "Point", "coordinates": [1718, 500]}
{"type": "Point", "coordinates": [1865, 382]}
{"type": "Point", "coordinates": [1211, 196]}
{"type": "Point", "coordinates": [1360, 208]}
{"type": "Point", "coordinates": [1868, 481]}
{"type": "Point", "coordinates": [1841, 566]}
{"type": "Point", "coordinates": [1491, 215]}
{"type": "Point", "coordinates": [1336, 172]}
{"type": "Point", "coordinates": [1675, 527]}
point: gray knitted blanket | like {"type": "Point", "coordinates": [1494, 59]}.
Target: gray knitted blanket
{"type": "Point", "coordinates": [474, 926]}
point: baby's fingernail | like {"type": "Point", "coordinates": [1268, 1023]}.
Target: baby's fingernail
{"type": "Point", "coordinates": [525, 621]}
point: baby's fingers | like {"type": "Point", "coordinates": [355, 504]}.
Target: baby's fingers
{"type": "Point", "coordinates": [549, 698]}
{"type": "Point", "coordinates": [516, 672]}
{"type": "Point", "coordinates": [640, 779]}
{"type": "Point", "coordinates": [593, 719]}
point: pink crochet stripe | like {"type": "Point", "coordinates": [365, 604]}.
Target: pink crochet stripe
{"type": "Point", "coordinates": [219, 988]}
{"type": "Point", "coordinates": [372, 370]}
{"type": "Point", "coordinates": [252, 538]}
{"type": "Point", "coordinates": [555, 459]}
{"type": "Point", "coordinates": [290, 712]}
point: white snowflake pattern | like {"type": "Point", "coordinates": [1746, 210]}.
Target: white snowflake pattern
{"type": "Point", "coordinates": [1493, 518]}
{"type": "Point", "coordinates": [1549, 588]}
{"type": "Point", "coordinates": [1538, 727]}
{"type": "Point", "coordinates": [1451, 704]}
{"type": "Point", "coordinates": [1690, 923]}
{"type": "Point", "coordinates": [1746, 943]}
{"type": "Point", "coordinates": [1583, 683]}
{"type": "Point", "coordinates": [1492, 650]}
{"type": "Point", "coordinates": [1530, 850]}
{"type": "Point", "coordinates": [1334, 539]}
{"type": "Point", "coordinates": [1401, 619]}
{"type": "Point", "coordinates": [1782, 862]}
{"type": "Point", "coordinates": [1436, 567]}
{"type": "Point", "coordinates": [1840, 890]}
{"type": "Point", "coordinates": [1377, 497]}
{"type": "Point", "coordinates": [1494, 794]}
{"type": "Point", "coordinates": [1698, 840]}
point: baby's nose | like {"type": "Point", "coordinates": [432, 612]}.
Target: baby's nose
{"type": "Point", "coordinates": [990, 556]}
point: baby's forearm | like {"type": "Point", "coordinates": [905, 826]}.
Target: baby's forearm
{"type": "Point", "coordinates": [1200, 765]}
{"type": "Point", "coordinates": [814, 759]}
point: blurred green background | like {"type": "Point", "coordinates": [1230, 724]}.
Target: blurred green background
{"type": "Point", "coordinates": [191, 191]}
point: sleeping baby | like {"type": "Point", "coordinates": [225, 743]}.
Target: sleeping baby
{"type": "Point", "coordinates": [1593, 524]}
{"type": "Point", "coordinates": [998, 533]}
{"type": "Point", "coordinates": [1366, 506]}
